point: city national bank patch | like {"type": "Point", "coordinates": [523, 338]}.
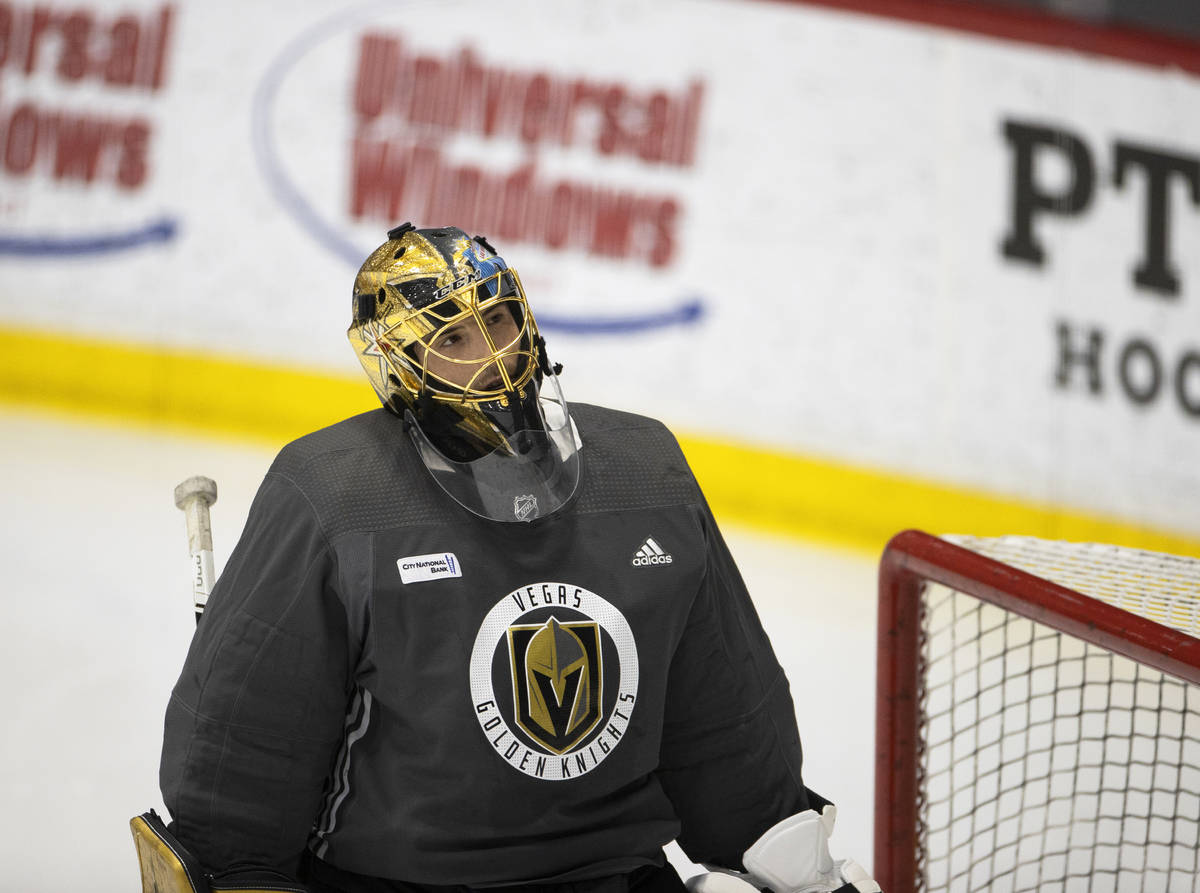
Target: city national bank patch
{"type": "Point", "coordinates": [421, 568]}
{"type": "Point", "coordinates": [554, 677]}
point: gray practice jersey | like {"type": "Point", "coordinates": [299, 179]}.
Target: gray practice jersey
{"type": "Point", "coordinates": [417, 693]}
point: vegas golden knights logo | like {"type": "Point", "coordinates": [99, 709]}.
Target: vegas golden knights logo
{"type": "Point", "coordinates": [554, 680]}
{"type": "Point", "coordinates": [558, 681]}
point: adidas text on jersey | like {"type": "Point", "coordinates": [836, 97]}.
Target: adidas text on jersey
{"type": "Point", "coordinates": [651, 553]}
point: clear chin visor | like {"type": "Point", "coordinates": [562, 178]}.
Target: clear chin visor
{"type": "Point", "coordinates": [532, 476]}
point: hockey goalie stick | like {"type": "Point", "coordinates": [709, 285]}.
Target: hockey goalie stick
{"type": "Point", "coordinates": [193, 497]}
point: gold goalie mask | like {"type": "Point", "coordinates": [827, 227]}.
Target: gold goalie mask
{"type": "Point", "coordinates": [443, 330]}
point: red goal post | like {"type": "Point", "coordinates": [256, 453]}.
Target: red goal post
{"type": "Point", "coordinates": [996, 707]}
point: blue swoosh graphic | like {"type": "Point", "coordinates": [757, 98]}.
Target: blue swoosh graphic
{"type": "Point", "coordinates": [266, 153]}
{"type": "Point", "coordinates": [162, 230]}
{"type": "Point", "coordinates": [687, 313]}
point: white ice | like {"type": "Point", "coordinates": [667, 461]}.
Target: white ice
{"type": "Point", "coordinates": [98, 617]}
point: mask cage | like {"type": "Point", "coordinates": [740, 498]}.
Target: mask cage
{"type": "Point", "coordinates": [476, 344]}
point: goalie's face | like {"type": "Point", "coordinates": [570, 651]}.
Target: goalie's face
{"type": "Point", "coordinates": [480, 353]}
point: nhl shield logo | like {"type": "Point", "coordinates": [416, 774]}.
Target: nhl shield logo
{"type": "Point", "coordinates": [525, 507]}
{"type": "Point", "coordinates": [558, 681]}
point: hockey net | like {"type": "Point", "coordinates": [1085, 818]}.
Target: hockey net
{"type": "Point", "coordinates": [1038, 717]}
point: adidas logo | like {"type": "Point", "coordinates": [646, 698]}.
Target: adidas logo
{"type": "Point", "coordinates": [651, 553]}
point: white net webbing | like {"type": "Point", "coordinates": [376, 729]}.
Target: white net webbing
{"type": "Point", "coordinates": [1050, 764]}
{"type": "Point", "coordinates": [1164, 588]}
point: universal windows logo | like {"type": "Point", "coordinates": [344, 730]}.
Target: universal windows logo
{"type": "Point", "coordinates": [651, 553]}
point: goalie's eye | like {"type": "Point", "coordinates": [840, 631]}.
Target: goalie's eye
{"type": "Point", "coordinates": [447, 338]}
{"type": "Point", "coordinates": [497, 317]}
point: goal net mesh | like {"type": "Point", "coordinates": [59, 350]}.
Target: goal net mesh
{"type": "Point", "coordinates": [1047, 763]}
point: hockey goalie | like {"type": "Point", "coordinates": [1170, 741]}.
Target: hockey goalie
{"type": "Point", "coordinates": [478, 638]}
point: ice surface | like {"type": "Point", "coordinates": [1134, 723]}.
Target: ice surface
{"type": "Point", "coordinates": [97, 619]}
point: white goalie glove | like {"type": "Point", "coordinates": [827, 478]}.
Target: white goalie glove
{"type": "Point", "coordinates": [791, 857]}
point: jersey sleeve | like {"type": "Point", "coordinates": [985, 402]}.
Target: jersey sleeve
{"type": "Point", "coordinates": [258, 709]}
{"type": "Point", "coordinates": [730, 760]}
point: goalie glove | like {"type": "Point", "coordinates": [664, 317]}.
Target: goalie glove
{"type": "Point", "coordinates": [791, 857]}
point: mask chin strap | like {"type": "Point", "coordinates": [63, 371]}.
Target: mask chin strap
{"type": "Point", "coordinates": [543, 359]}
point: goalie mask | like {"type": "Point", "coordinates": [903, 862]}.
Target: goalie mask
{"type": "Point", "coordinates": [443, 330]}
